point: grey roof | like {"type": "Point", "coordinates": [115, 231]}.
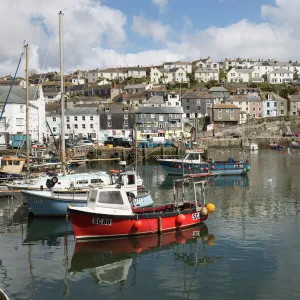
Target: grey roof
{"type": "Point", "coordinates": [281, 70]}
{"type": "Point", "coordinates": [218, 89]}
{"type": "Point", "coordinates": [244, 70]}
{"type": "Point", "coordinates": [275, 97]}
{"type": "Point", "coordinates": [199, 95]}
{"type": "Point", "coordinates": [82, 111]}
{"type": "Point", "coordinates": [135, 86]}
{"type": "Point", "coordinates": [173, 69]}
{"type": "Point", "coordinates": [294, 98]}
{"type": "Point", "coordinates": [18, 94]}
{"type": "Point", "coordinates": [115, 109]}
{"type": "Point", "coordinates": [160, 110]}
{"type": "Point", "coordinates": [156, 100]}
{"type": "Point", "coordinates": [206, 70]}
{"type": "Point", "coordinates": [273, 64]}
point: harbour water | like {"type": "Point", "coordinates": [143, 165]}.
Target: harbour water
{"type": "Point", "coordinates": [247, 249]}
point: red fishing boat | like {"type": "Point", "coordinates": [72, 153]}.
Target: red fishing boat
{"type": "Point", "coordinates": [110, 214]}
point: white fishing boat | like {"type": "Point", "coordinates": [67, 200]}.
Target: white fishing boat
{"type": "Point", "coordinates": [54, 204]}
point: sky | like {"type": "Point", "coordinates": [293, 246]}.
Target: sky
{"type": "Point", "coordinates": [113, 33]}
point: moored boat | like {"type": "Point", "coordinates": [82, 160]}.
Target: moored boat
{"type": "Point", "coordinates": [192, 164]}
{"type": "Point", "coordinates": [110, 214]}
{"type": "Point", "coordinates": [277, 146]}
{"type": "Point", "coordinates": [54, 204]}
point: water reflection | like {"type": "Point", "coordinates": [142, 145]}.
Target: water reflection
{"type": "Point", "coordinates": [109, 261]}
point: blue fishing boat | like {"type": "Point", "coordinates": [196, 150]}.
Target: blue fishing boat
{"type": "Point", "coordinates": [55, 204]}
{"type": "Point", "coordinates": [192, 164]}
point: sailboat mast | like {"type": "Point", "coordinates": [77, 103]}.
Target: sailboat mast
{"type": "Point", "coordinates": [27, 112]}
{"type": "Point", "coordinates": [62, 101]}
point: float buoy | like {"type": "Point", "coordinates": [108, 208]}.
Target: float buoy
{"type": "Point", "coordinates": [180, 218]}
{"type": "Point", "coordinates": [210, 207]}
{"type": "Point", "coordinates": [204, 211]}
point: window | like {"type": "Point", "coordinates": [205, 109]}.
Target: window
{"type": "Point", "coordinates": [207, 101]}
{"type": "Point", "coordinates": [54, 119]}
{"type": "Point", "coordinates": [187, 108]}
{"type": "Point", "coordinates": [268, 112]}
{"type": "Point", "coordinates": [152, 116]}
{"type": "Point", "coordinates": [282, 112]}
{"type": "Point", "coordinates": [91, 126]}
{"type": "Point", "coordinates": [198, 101]}
{"type": "Point", "coordinates": [21, 108]}
{"type": "Point", "coordinates": [198, 107]}
{"type": "Point", "coordinates": [109, 123]}
{"type": "Point", "coordinates": [275, 104]}
{"type": "Point", "coordinates": [54, 129]}
{"type": "Point", "coordinates": [231, 116]}
{"type": "Point", "coordinates": [170, 116]}
{"type": "Point", "coordinates": [232, 110]}
{"type": "Point", "coordinates": [126, 109]}
{"type": "Point", "coordinates": [68, 119]}
{"type": "Point", "coordinates": [107, 109]}
{"type": "Point", "coordinates": [20, 121]}
{"type": "Point", "coordinates": [253, 109]}
{"type": "Point", "coordinates": [268, 104]}
{"type": "Point", "coordinates": [75, 118]}
{"type": "Point", "coordinates": [161, 118]}
{"type": "Point", "coordinates": [109, 117]}
{"type": "Point", "coordinates": [91, 118]}
{"type": "Point", "coordinates": [126, 116]}
{"type": "Point", "coordinates": [83, 126]}
{"type": "Point", "coordinates": [68, 126]}
{"type": "Point", "coordinates": [125, 123]}
{"type": "Point", "coordinates": [281, 104]}
{"type": "Point", "coordinates": [160, 125]}
{"type": "Point", "coordinates": [220, 110]}
{"type": "Point", "coordinates": [219, 116]}
{"type": "Point", "coordinates": [188, 115]}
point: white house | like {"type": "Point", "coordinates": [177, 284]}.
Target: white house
{"type": "Point", "coordinates": [187, 66]}
{"type": "Point", "coordinates": [137, 72]}
{"type": "Point", "coordinates": [14, 118]}
{"type": "Point", "coordinates": [273, 105]}
{"type": "Point", "coordinates": [203, 64]}
{"type": "Point", "coordinates": [173, 99]}
{"type": "Point", "coordinates": [239, 75]}
{"type": "Point", "coordinates": [265, 67]}
{"type": "Point", "coordinates": [77, 81]}
{"type": "Point", "coordinates": [206, 74]}
{"type": "Point", "coordinates": [279, 76]}
{"type": "Point", "coordinates": [79, 122]}
{"type": "Point", "coordinates": [168, 75]}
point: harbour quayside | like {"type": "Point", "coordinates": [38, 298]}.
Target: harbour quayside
{"type": "Point", "coordinates": [50, 204]}
{"type": "Point", "coordinates": [192, 164]}
{"type": "Point", "coordinates": [110, 214]}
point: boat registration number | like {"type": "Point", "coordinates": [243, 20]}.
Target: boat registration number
{"type": "Point", "coordinates": [35, 200]}
{"type": "Point", "coordinates": [196, 216]}
{"type": "Point", "coordinates": [99, 221]}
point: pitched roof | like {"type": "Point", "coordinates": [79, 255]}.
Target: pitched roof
{"type": "Point", "coordinates": [275, 97]}
{"type": "Point", "coordinates": [197, 95]}
{"type": "Point", "coordinates": [243, 71]}
{"type": "Point", "coordinates": [294, 98]}
{"type": "Point", "coordinates": [218, 89]}
{"type": "Point", "coordinates": [160, 110]}
{"type": "Point", "coordinates": [156, 100]}
{"type": "Point", "coordinates": [135, 86]}
{"type": "Point", "coordinates": [206, 70]}
{"type": "Point", "coordinates": [18, 94]}
{"type": "Point", "coordinates": [281, 70]}
{"type": "Point", "coordinates": [220, 105]}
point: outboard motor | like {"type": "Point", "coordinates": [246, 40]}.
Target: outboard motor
{"type": "Point", "coordinates": [50, 183]}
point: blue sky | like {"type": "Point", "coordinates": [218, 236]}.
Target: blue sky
{"type": "Point", "coordinates": [200, 13]}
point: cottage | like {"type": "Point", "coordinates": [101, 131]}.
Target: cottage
{"type": "Point", "coordinates": [273, 105]}
{"type": "Point", "coordinates": [227, 114]}
{"type": "Point", "coordinates": [219, 93]}
{"type": "Point", "coordinates": [186, 66]}
{"type": "Point", "coordinates": [294, 105]}
{"type": "Point", "coordinates": [279, 76]}
{"type": "Point", "coordinates": [206, 74]}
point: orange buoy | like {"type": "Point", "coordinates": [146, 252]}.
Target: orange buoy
{"type": "Point", "coordinates": [138, 249]}
{"type": "Point", "coordinates": [210, 207]}
{"type": "Point", "coordinates": [138, 224]}
{"type": "Point", "coordinates": [180, 218]}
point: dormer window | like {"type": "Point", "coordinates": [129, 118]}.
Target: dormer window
{"type": "Point", "coordinates": [107, 109]}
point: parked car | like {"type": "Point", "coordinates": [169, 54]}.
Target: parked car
{"type": "Point", "coordinates": [236, 135]}
{"type": "Point", "coordinates": [85, 143]}
{"type": "Point", "coordinates": [297, 134]}
{"type": "Point", "coordinates": [288, 134]}
{"type": "Point", "coordinates": [117, 142]}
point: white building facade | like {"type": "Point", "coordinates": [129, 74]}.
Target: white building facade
{"type": "Point", "coordinates": [206, 74]}
{"type": "Point", "coordinates": [279, 76]}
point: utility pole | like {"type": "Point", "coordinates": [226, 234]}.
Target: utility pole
{"type": "Point", "coordinates": [27, 112]}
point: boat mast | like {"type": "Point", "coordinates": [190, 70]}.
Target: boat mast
{"type": "Point", "coordinates": [62, 101]}
{"type": "Point", "coordinates": [27, 112]}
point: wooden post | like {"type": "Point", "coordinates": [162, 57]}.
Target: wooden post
{"type": "Point", "coordinates": [159, 225]}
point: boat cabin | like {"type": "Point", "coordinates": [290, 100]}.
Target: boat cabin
{"type": "Point", "coordinates": [109, 201]}
{"type": "Point", "coordinates": [193, 156]}
{"type": "Point", "coordinates": [125, 179]}
{"type": "Point", "coordinates": [12, 164]}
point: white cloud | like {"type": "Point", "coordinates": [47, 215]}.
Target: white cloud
{"type": "Point", "coordinates": [150, 28]}
{"type": "Point", "coordinates": [99, 33]}
{"type": "Point", "coordinates": [162, 4]}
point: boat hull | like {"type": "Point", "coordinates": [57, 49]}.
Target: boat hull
{"type": "Point", "coordinates": [44, 204]}
{"type": "Point", "coordinates": [172, 168]}
{"type": "Point", "coordinates": [88, 225]}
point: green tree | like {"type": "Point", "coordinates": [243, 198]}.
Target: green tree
{"type": "Point", "coordinates": [222, 75]}
{"type": "Point", "coordinates": [265, 77]}
{"type": "Point", "coordinates": [296, 76]}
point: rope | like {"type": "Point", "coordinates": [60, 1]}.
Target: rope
{"type": "Point", "coordinates": [11, 85]}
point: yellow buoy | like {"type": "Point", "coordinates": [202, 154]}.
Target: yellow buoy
{"type": "Point", "coordinates": [211, 240]}
{"type": "Point", "coordinates": [210, 207]}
